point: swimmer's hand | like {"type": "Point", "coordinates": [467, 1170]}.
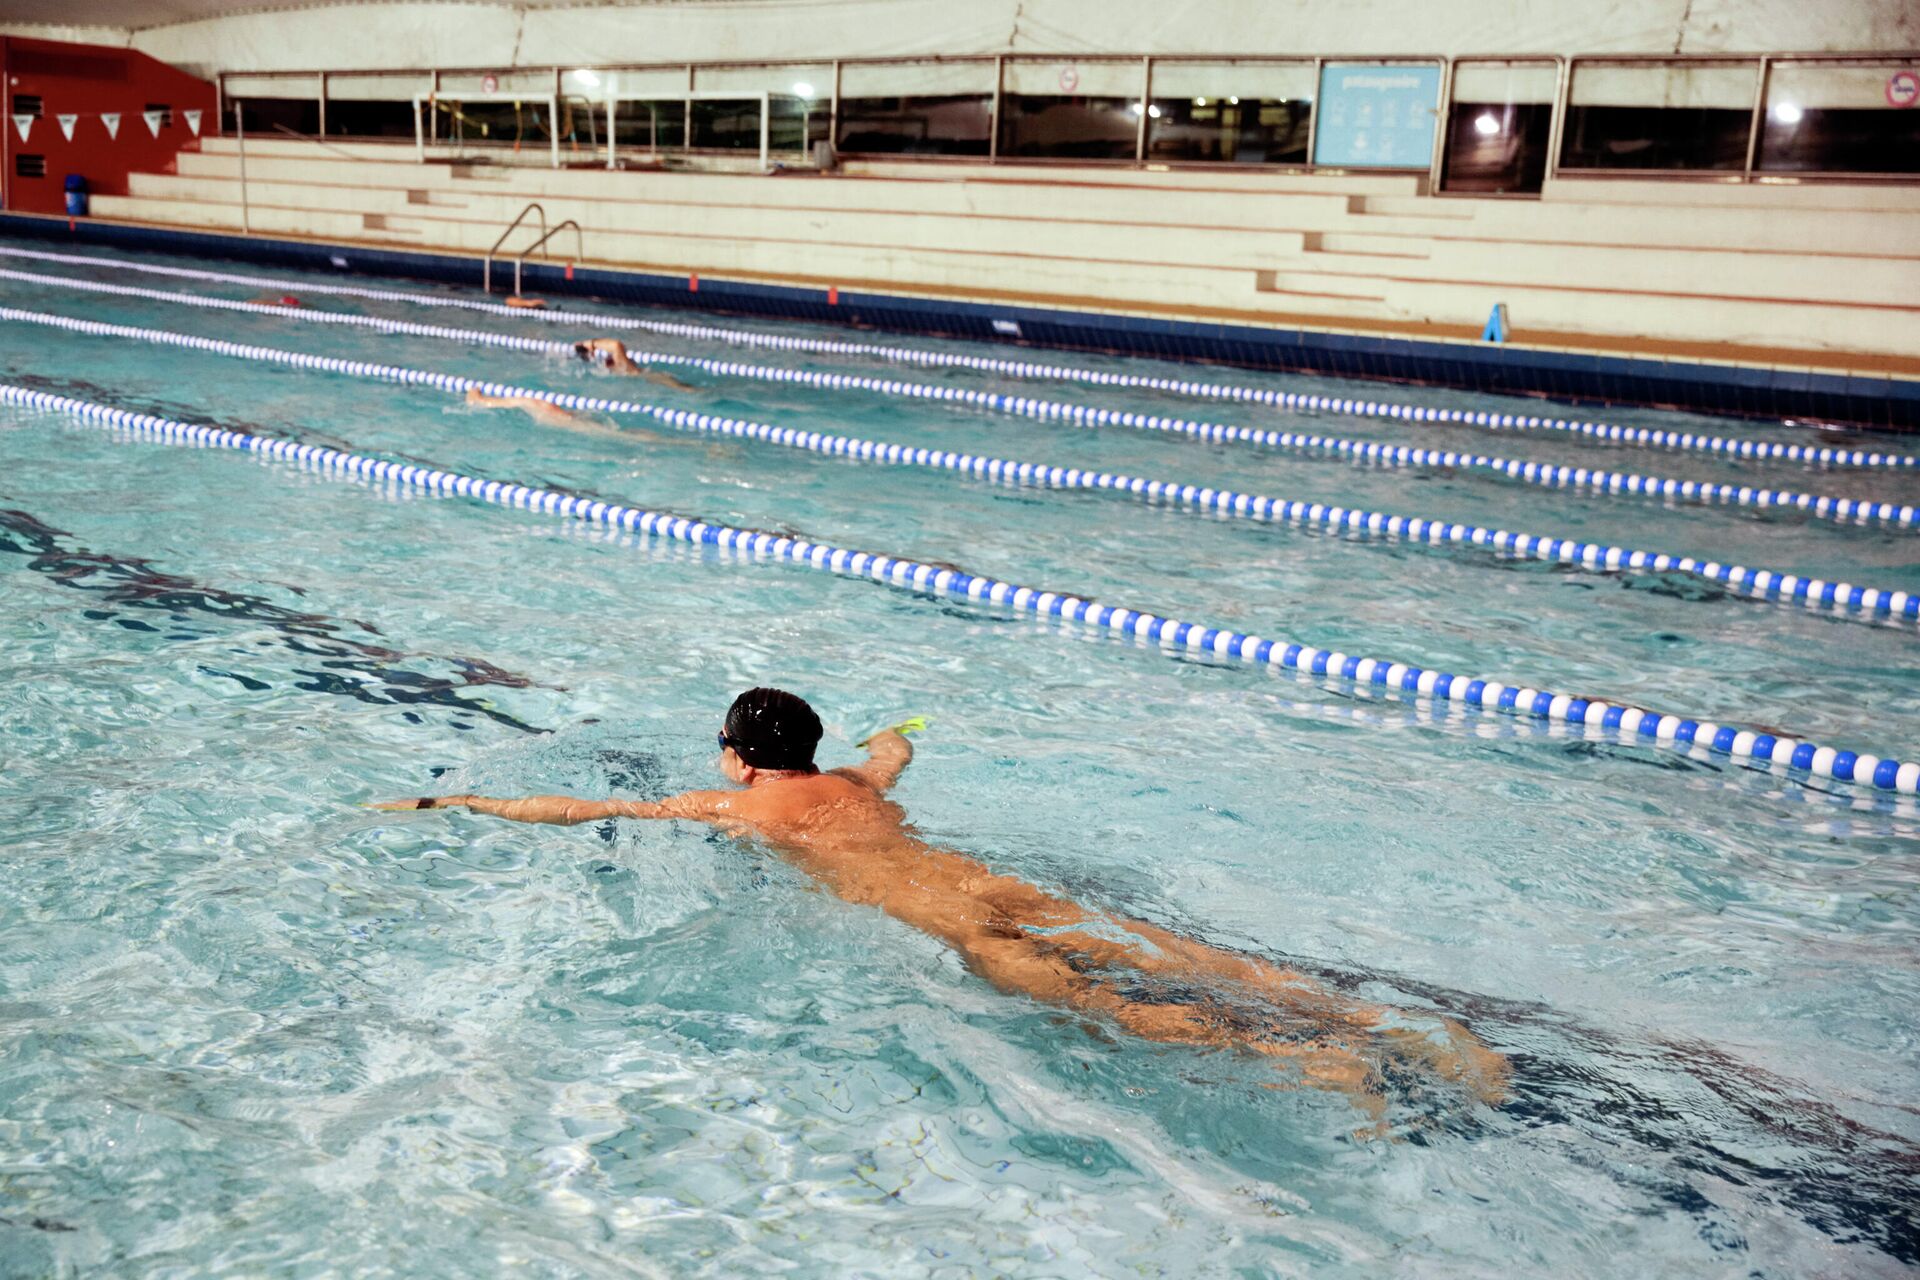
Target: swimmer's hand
{"type": "Point", "coordinates": [913, 724]}
{"type": "Point", "coordinates": [421, 802]}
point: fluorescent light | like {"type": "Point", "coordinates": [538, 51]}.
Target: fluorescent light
{"type": "Point", "coordinates": [802, 89]}
{"type": "Point", "coordinates": [1199, 102]}
{"type": "Point", "coordinates": [1233, 102]}
{"type": "Point", "coordinates": [586, 78]}
{"type": "Point", "coordinates": [1486, 125]}
{"type": "Point", "coordinates": [1788, 113]}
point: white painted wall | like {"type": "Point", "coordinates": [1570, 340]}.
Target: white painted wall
{"type": "Point", "coordinates": [413, 33]}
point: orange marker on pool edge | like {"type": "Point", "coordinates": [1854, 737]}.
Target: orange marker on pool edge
{"type": "Point", "coordinates": [833, 295]}
{"type": "Point", "coordinates": [569, 271]}
{"type": "Point", "coordinates": [693, 282]}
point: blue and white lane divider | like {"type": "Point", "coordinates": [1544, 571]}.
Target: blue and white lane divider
{"type": "Point", "coordinates": [1591, 556]}
{"type": "Point", "coordinates": [1022, 406]}
{"type": "Point", "coordinates": [1545, 475]}
{"type": "Point", "coordinates": [1607, 433]}
{"type": "Point", "coordinates": [1175, 636]}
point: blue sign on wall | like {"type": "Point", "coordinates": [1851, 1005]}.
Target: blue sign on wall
{"type": "Point", "coordinates": [1376, 117]}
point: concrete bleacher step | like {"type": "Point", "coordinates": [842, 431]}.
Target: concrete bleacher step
{"type": "Point", "coordinates": [1683, 319]}
{"type": "Point", "coordinates": [1039, 234]}
{"type": "Point", "coordinates": [1414, 208]}
{"type": "Point", "coordinates": [1147, 208]}
{"type": "Point", "coordinates": [1360, 244]}
{"type": "Point", "coordinates": [1308, 284]}
{"type": "Point", "coordinates": [1065, 278]}
{"type": "Point", "coordinates": [1790, 193]}
{"type": "Point", "coordinates": [1676, 262]}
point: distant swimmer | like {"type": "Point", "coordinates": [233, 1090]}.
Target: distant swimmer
{"type": "Point", "coordinates": [527, 304]}
{"type": "Point", "coordinates": [543, 411]}
{"type": "Point", "coordinates": [611, 353]}
{"type": "Point", "coordinates": [839, 828]}
{"type": "Point", "coordinates": [549, 414]}
{"type": "Point", "coordinates": [275, 300]}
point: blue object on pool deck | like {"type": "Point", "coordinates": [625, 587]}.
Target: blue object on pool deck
{"type": "Point", "coordinates": [76, 196]}
{"type": "Point", "coordinates": [1496, 330]}
{"type": "Point", "coordinates": [1173, 635]}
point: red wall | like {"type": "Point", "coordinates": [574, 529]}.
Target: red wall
{"type": "Point", "coordinates": [89, 79]}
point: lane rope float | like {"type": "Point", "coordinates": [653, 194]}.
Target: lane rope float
{"type": "Point", "coordinates": [1607, 433]}
{"type": "Point", "coordinates": [1545, 475]}
{"type": "Point", "coordinates": [1175, 637]}
{"type": "Point", "coordinates": [1588, 556]}
{"type": "Point", "coordinates": [1022, 406]}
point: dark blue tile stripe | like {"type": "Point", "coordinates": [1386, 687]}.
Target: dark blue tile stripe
{"type": "Point", "coordinates": [1863, 401]}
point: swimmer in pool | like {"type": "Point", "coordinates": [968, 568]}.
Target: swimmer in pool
{"type": "Point", "coordinates": [839, 827]}
{"type": "Point", "coordinates": [541, 411]}
{"type": "Point", "coordinates": [611, 353]}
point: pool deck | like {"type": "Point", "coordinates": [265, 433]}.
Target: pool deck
{"type": "Point", "coordinates": [1867, 390]}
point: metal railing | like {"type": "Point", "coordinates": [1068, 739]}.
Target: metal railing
{"type": "Point", "coordinates": [486, 267]}
{"type": "Point", "coordinates": [546, 234]}
{"type": "Point", "coordinates": [579, 250]}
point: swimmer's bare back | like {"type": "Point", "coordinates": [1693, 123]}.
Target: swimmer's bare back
{"type": "Point", "coordinates": [840, 828]}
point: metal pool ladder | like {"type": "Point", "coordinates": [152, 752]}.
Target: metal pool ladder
{"type": "Point", "coordinates": [533, 206]}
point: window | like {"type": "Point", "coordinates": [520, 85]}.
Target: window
{"type": "Point", "coordinates": [1498, 129]}
{"type": "Point", "coordinates": [917, 108]}
{"type": "Point", "coordinates": [1088, 110]}
{"type": "Point", "coordinates": [271, 115]}
{"type": "Point", "coordinates": [522, 124]}
{"type": "Point", "coordinates": [377, 106]}
{"type": "Point", "coordinates": [650, 124]}
{"type": "Point", "coordinates": [1239, 112]}
{"type": "Point", "coordinates": [25, 166]}
{"type": "Point", "coordinates": [799, 110]}
{"type": "Point", "coordinates": [1659, 116]}
{"type": "Point", "coordinates": [166, 113]}
{"type": "Point", "coordinates": [27, 104]}
{"type": "Point", "coordinates": [1838, 117]}
{"type": "Point", "coordinates": [731, 125]}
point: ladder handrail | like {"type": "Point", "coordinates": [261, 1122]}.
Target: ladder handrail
{"type": "Point", "coordinates": [486, 269]}
{"type": "Point", "coordinates": [579, 248]}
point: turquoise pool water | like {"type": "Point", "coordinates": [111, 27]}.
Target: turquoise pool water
{"type": "Point", "coordinates": [246, 1027]}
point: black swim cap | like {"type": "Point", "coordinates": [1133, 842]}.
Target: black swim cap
{"type": "Point", "coordinates": [773, 729]}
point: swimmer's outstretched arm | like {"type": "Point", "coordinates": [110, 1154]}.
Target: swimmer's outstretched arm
{"type": "Point", "coordinates": [567, 811]}
{"type": "Point", "coordinates": [888, 752]}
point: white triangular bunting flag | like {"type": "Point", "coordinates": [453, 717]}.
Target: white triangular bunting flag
{"type": "Point", "coordinates": [193, 121]}
{"type": "Point", "coordinates": [24, 124]}
{"type": "Point", "coordinates": [153, 119]}
{"type": "Point", "coordinates": [66, 124]}
{"type": "Point", "coordinates": [111, 119]}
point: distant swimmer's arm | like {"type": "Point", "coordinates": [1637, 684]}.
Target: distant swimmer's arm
{"type": "Point", "coordinates": [888, 752]}
{"type": "Point", "coordinates": [567, 811]}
